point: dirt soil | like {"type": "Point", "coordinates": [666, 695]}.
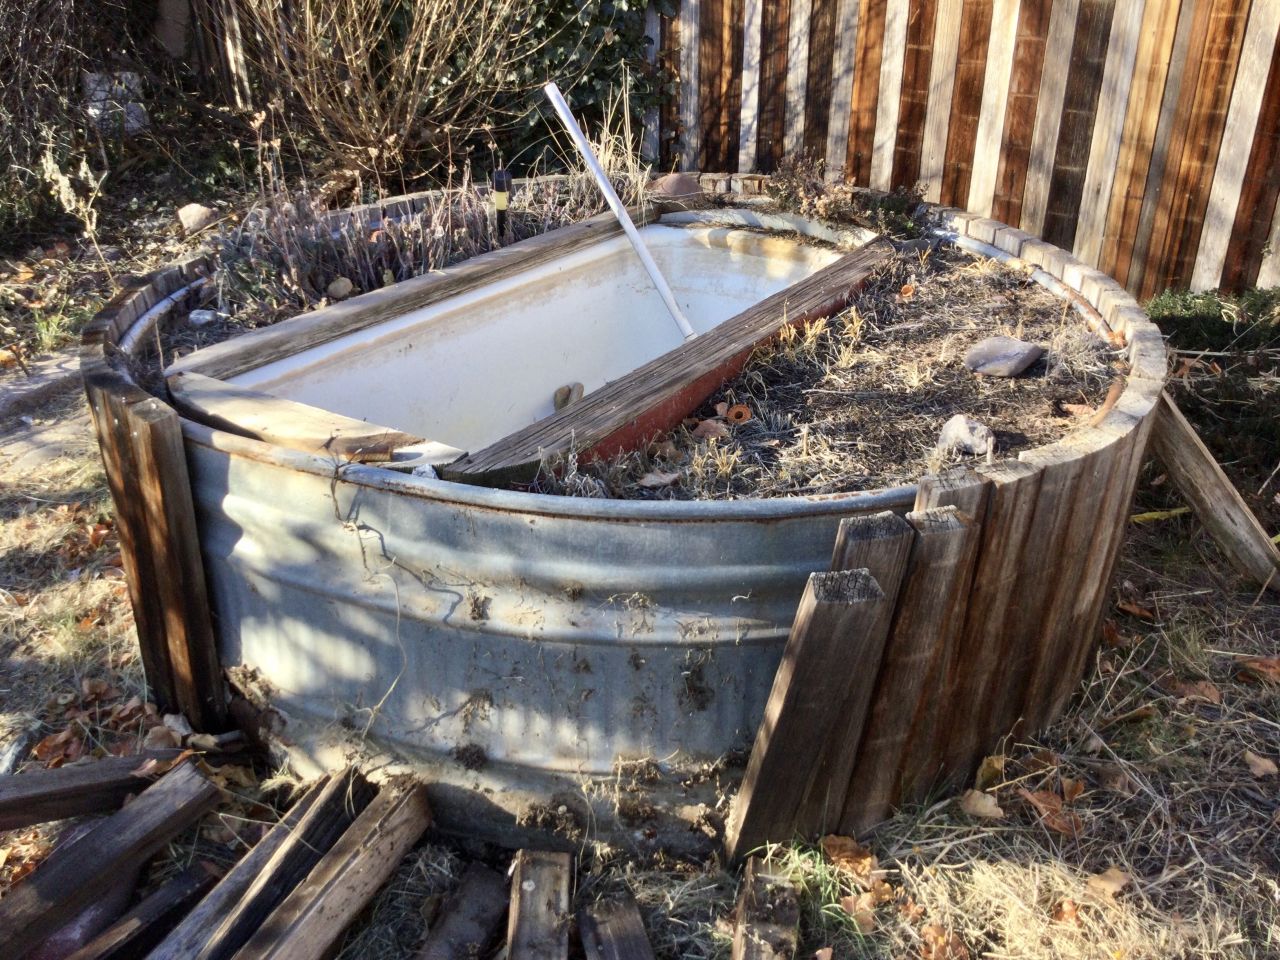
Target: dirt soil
{"type": "Point", "coordinates": [857, 402]}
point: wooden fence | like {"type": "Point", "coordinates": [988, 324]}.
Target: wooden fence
{"type": "Point", "coordinates": [1141, 135]}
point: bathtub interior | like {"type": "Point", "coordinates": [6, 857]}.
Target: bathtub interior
{"type": "Point", "coordinates": [472, 369]}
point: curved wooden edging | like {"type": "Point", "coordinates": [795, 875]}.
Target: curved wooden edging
{"type": "Point", "coordinates": [1026, 601]}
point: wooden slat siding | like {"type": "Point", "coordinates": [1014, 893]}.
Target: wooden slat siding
{"type": "Point", "coordinates": [925, 622]}
{"type": "Point", "coordinates": [1020, 110]}
{"type": "Point", "coordinates": [732, 31]}
{"type": "Point", "coordinates": [671, 109]}
{"type": "Point", "coordinates": [866, 91]}
{"type": "Point", "coordinates": [966, 100]}
{"type": "Point", "coordinates": [823, 76]}
{"type": "Point", "coordinates": [767, 916]}
{"type": "Point", "coordinates": [1161, 205]}
{"type": "Point", "coordinates": [539, 918]}
{"type": "Point", "coordinates": [942, 79]}
{"type": "Point", "coordinates": [888, 105]}
{"type": "Point", "coordinates": [749, 82]}
{"type": "Point", "coordinates": [711, 79]}
{"type": "Point", "coordinates": [799, 25]}
{"type": "Point", "coordinates": [914, 105]}
{"type": "Point", "coordinates": [1259, 190]}
{"type": "Point", "coordinates": [881, 545]}
{"type": "Point", "coordinates": [995, 100]}
{"type": "Point", "coordinates": [1137, 139]}
{"type": "Point", "coordinates": [770, 146]}
{"type": "Point", "coordinates": [1108, 126]}
{"type": "Point", "coordinates": [688, 36]}
{"type": "Point", "coordinates": [1044, 135]}
{"type": "Point", "coordinates": [842, 620]}
{"type": "Point", "coordinates": [1269, 268]}
{"type": "Point", "coordinates": [1173, 257]}
{"type": "Point", "coordinates": [1075, 132]}
{"type": "Point", "coordinates": [614, 930]}
{"type": "Point", "coordinates": [1248, 99]}
{"type": "Point", "coordinates": [650, 143]}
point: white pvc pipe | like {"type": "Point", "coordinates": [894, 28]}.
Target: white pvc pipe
{"type": "Point", "coordinates": [619, 211]}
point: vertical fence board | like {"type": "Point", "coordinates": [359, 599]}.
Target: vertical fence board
{"type": "Point", "coordinates": [914, 105]}
{"type": "Point", "coordinates": [942, 80]}
{"type": "Point", "coordinates": [688, 27]}
{"type": "Point", "coordinates": [966, 100]}
{"type": "Point", "coordinates": [866, 91]}
{"type": "Point", "coordinates": [1020, 111]}
{"type": "Point", "coordinates": [1269, 268]}
{"type": "Point", "coordinates": [774, 75]}
{"type": "Point", "coordinates": [800, 22]}
{"type": "Point", "coordinates": [830, 65]}
{"type": "Point", "coordinates": [1044, 137]}
{"type": "Point", "coordinates": [995, 99]}
{"type": "Point", "coordinates": [1233, 163]}
{"type": "Point", "coordinates": [750, 77]}
{"type": "Point", "coordinates": [887, 107]}
{"type": "Point", "coordinates": [1117, 76]}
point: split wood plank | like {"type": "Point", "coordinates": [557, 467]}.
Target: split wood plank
{"type": "Point", "coordinates": [966, 100]}
{"type": "Point", "coordinates": [770, 147]}
{"type": "Point", "coordinates": [656, 396]}
{"type": "Point", "coordinates": [472, 917]}
{"type": "Point", "coordinates": [799, 24]}
{"type": "Point", "coordinates": [880, 544]}
{"type": "Point", "coordinates": [538, 924]}
{"type": "Point", "coordinates": [1138, 138]}
{"type": "Point", "coordinates": [1213, 497]}
{"type": "Point", "coordinates": [844, 43]}
{"type": "Point", "coordinates": [188, 938]}
{"type": "Point", "coordinates": [914, 99]}
{"type": "Point", "coordinates": [77, 874]}
{"type": "Point", "coordinates": [287, 338]}
{"type": "Point", "coordinates": [929, 613]}
{"type": "Point", "coordinates": [1108, 125]}
{"type": "Point", "coordinates": [842, 619]}
{"type": "Point", "coordinates": [942, 78]}
{"type": "Point", "coordinates": [1247, 99]}
{"type": "Point", "coordinates": [995, 100]}
{"type": "Point", "coordinates": [866, 91]}
{"type": "Point", "coordinates": [767, 918]}
{"type": "Point", "coordinates": [339, 801]}
{"type": "Point", "coordinates": [309, 921]}
{"type": "Point", "coordinates": [135, 933]}
{"type": "Point", "coordinates": [689, 25]}
{"type": "Point", "coordinates": [1044, 138]}
{"type": "Point", "coordinates": [1020, 111]}
{"type": "Point", "coordinates": [613, 930]}
{"type": "Point", "coordinates": [888, 105]}
{"type": "Point", "coordinates": [819, 81]}
{"type": "Point", "coordinates": [41, 795]}
{"type": "Point", "coordinates": [286, 423]}
{"type": "Point", "coordinates": [751, 76]}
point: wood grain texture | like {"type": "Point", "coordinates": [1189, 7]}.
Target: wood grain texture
{"type": "Point", "coordinates": [966, 101]}
{"type": "Point", "coordinates": [930, 610]}
{"type": "Point", "coordinates": [1217, 36]}
{"type": "Point", "coordinates": [799, 27]}
{"type": "Point", "coordinates": [1138, 138]}
{"type": "Point", "coordinates": [309, 922]}
{"type": "Point", "coordinates": [38, 796]}
{"type": "Point", "coordinates": [690, 42]}
{"type": "Point", "coordinates": [614, 930]}
{"type": "Point", "coordinates": [1248, 98]}
{"type": "Point", "coordinates": [1108, 127]}
{"type": "Point", "coordinates": [78, 873]}
{"type": "Point", "coordinates": [750, 80]}
{"type": "Point", "coordinates": [539, 919]}
{"type": "Point", "coordinates": [767, 918]}
{"type": "Point", "coordinates": [654, 397]}
{"type": "Point", "coordinates": [942, 79]}
{"type": "Point", "coordinates": [866, 91]}
{"type": "Point", "coordinates": [720, 82]}
{"type": "Point", "coordinates": [842, 619]}
{"type": "Point", "coordinates": [914, 101]}
{"type": "Point", "coordinates": [1075, 131]}
{"type": "Point", "coordinates": [888, 105]}
{"type": "Point", "coordinates": [142, 927]}
{"type": "Point", "coordinates": [1215, 500]}
{"type": "Point", "coordinates": [995, 100]}
{"type": "Point", "coordinates": [828, 81]}
{"type": "Point", "coordinates": [1020, 109]}
{"type": "Point", "coordinates": [1049, 101]}
{"type": "Point", "coordinates": [774, 76]}
{"type": "Point", "coordinates": [1269, 268]}
{"type": "Point", "coordinates": [471, 918]}
{"type": "Point", "coordinates": [1258, 191]}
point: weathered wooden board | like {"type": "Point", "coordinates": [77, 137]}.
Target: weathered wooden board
{"type": "Point", "coordinates": [845, 22]}
{"type": "Point", "coordinates": [799, 25]}
{"type": "Point", "coordinates": [866, 90]}
{"type": "Point", "coordinates": [750, 81]}
{"type": "Point", "coordinates": [888, 105]}
{"type": "Point", "coordinates": [1044, 136]}
{"type": "Point", "coordinates": [1020, 109]}
{"type": "Point", "coordinates": [942, 79]}
{"type": "Point", "coordinates": [135, 933]}
{"type": "Point", "coordinates": [78, 873]}
{"type": "Point", "coordinates": [995, 100]}
{"type": "Point", "coordinates": [614, 930]}
{"type": "Point", "coordinates": [656, 396]}
{"type": "Point", "coordinates": [471, 919]}
{"type": "Point", "coordinates": [688, 28]}
{"type": "Point", "coordinates": [539, 920]}
{"type": "Point", "coordinates": [774, 76]}
{"type": "Point", "coordinates": [308, 923]}
{"type": "Point", "coordinates": [73, 791]}
{"type": "Point", "coordinates": [767, 918]}
{"type": "Point", "coordinates": [916, 79]}
{"type": "Point", "coordinates": [843, 618]}
{"type": "Point", "coordinates": [297, 426]}
{"type": "Point", "coordinates": [966, 100]}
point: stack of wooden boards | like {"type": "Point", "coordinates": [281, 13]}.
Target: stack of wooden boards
{"type": "Point", "coordinates": [296, 892]}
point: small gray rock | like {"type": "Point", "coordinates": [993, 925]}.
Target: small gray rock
{"type": "Point", "coordinates": [196, 216]}
{"type": "Point", "coordinates": [963, 434]}
{"type": "Point", "coordinates": [198, 318]}
{"type": "Point", "coordinates": [1002, 356]}
{"type": "Point", "coordinates": [339, 288]}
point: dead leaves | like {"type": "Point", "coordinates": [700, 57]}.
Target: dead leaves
{"type": "Point", "coordinates": [977, 803]}
{"type": "Point", "coordinates": [710, 430]}
{"type": "Point", "coordinates": [1109, 883]}
{"type": "Point", "coordinates": [862, 867]}
{"type": "Point", "coordinates": [1260, 668]}
{"type": "Point", "coordinates": [938, 943]}
{"type": "Point", "coordinates": [656, 479]}
{"type": "Point", "coordinates": [1054, 811]}
{"type": "Point", "coordinates": [1260, 766]}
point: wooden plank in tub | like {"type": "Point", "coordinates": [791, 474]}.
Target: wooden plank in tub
{"type": "Point", "coordinates": [656, 396]}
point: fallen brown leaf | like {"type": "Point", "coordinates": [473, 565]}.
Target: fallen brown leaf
{"type": "Point", "coordinates": [940, 944]}
{"type": "Point", "coordinates": [1136, 610]}
{"type": "Point", "coordinates": [1068, 911]}
{"type": "Point", "coordinates": [823, 953]}
{"type": "Point", "coordinates": [710, 430]}
{"type": "Point", "coordinates": [1078, 409]}
{"type": "Point", "coordinates": [862, 908]}
{"type": "Point", "coordinates": [1261, 668]}
{"type": "Point", "coordinates": [1260, 766]}
{"type": "Point", "coordinates": [1052, 812]}
{"type": "Point", "coordinates": [1205, 690]}
{"type": "Point", "coordinates": [849, 855]}
{"type": "Point", "coordinates": [1071, 789]}
{"type": "Point", "coordinates": [658, 478]}
{"type": "Point", "coordinates": [990, 772]}
{"type": "Point", "coordinates": [1110, 882]}
{"type": "Point", "coordinates": [976, 803]}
